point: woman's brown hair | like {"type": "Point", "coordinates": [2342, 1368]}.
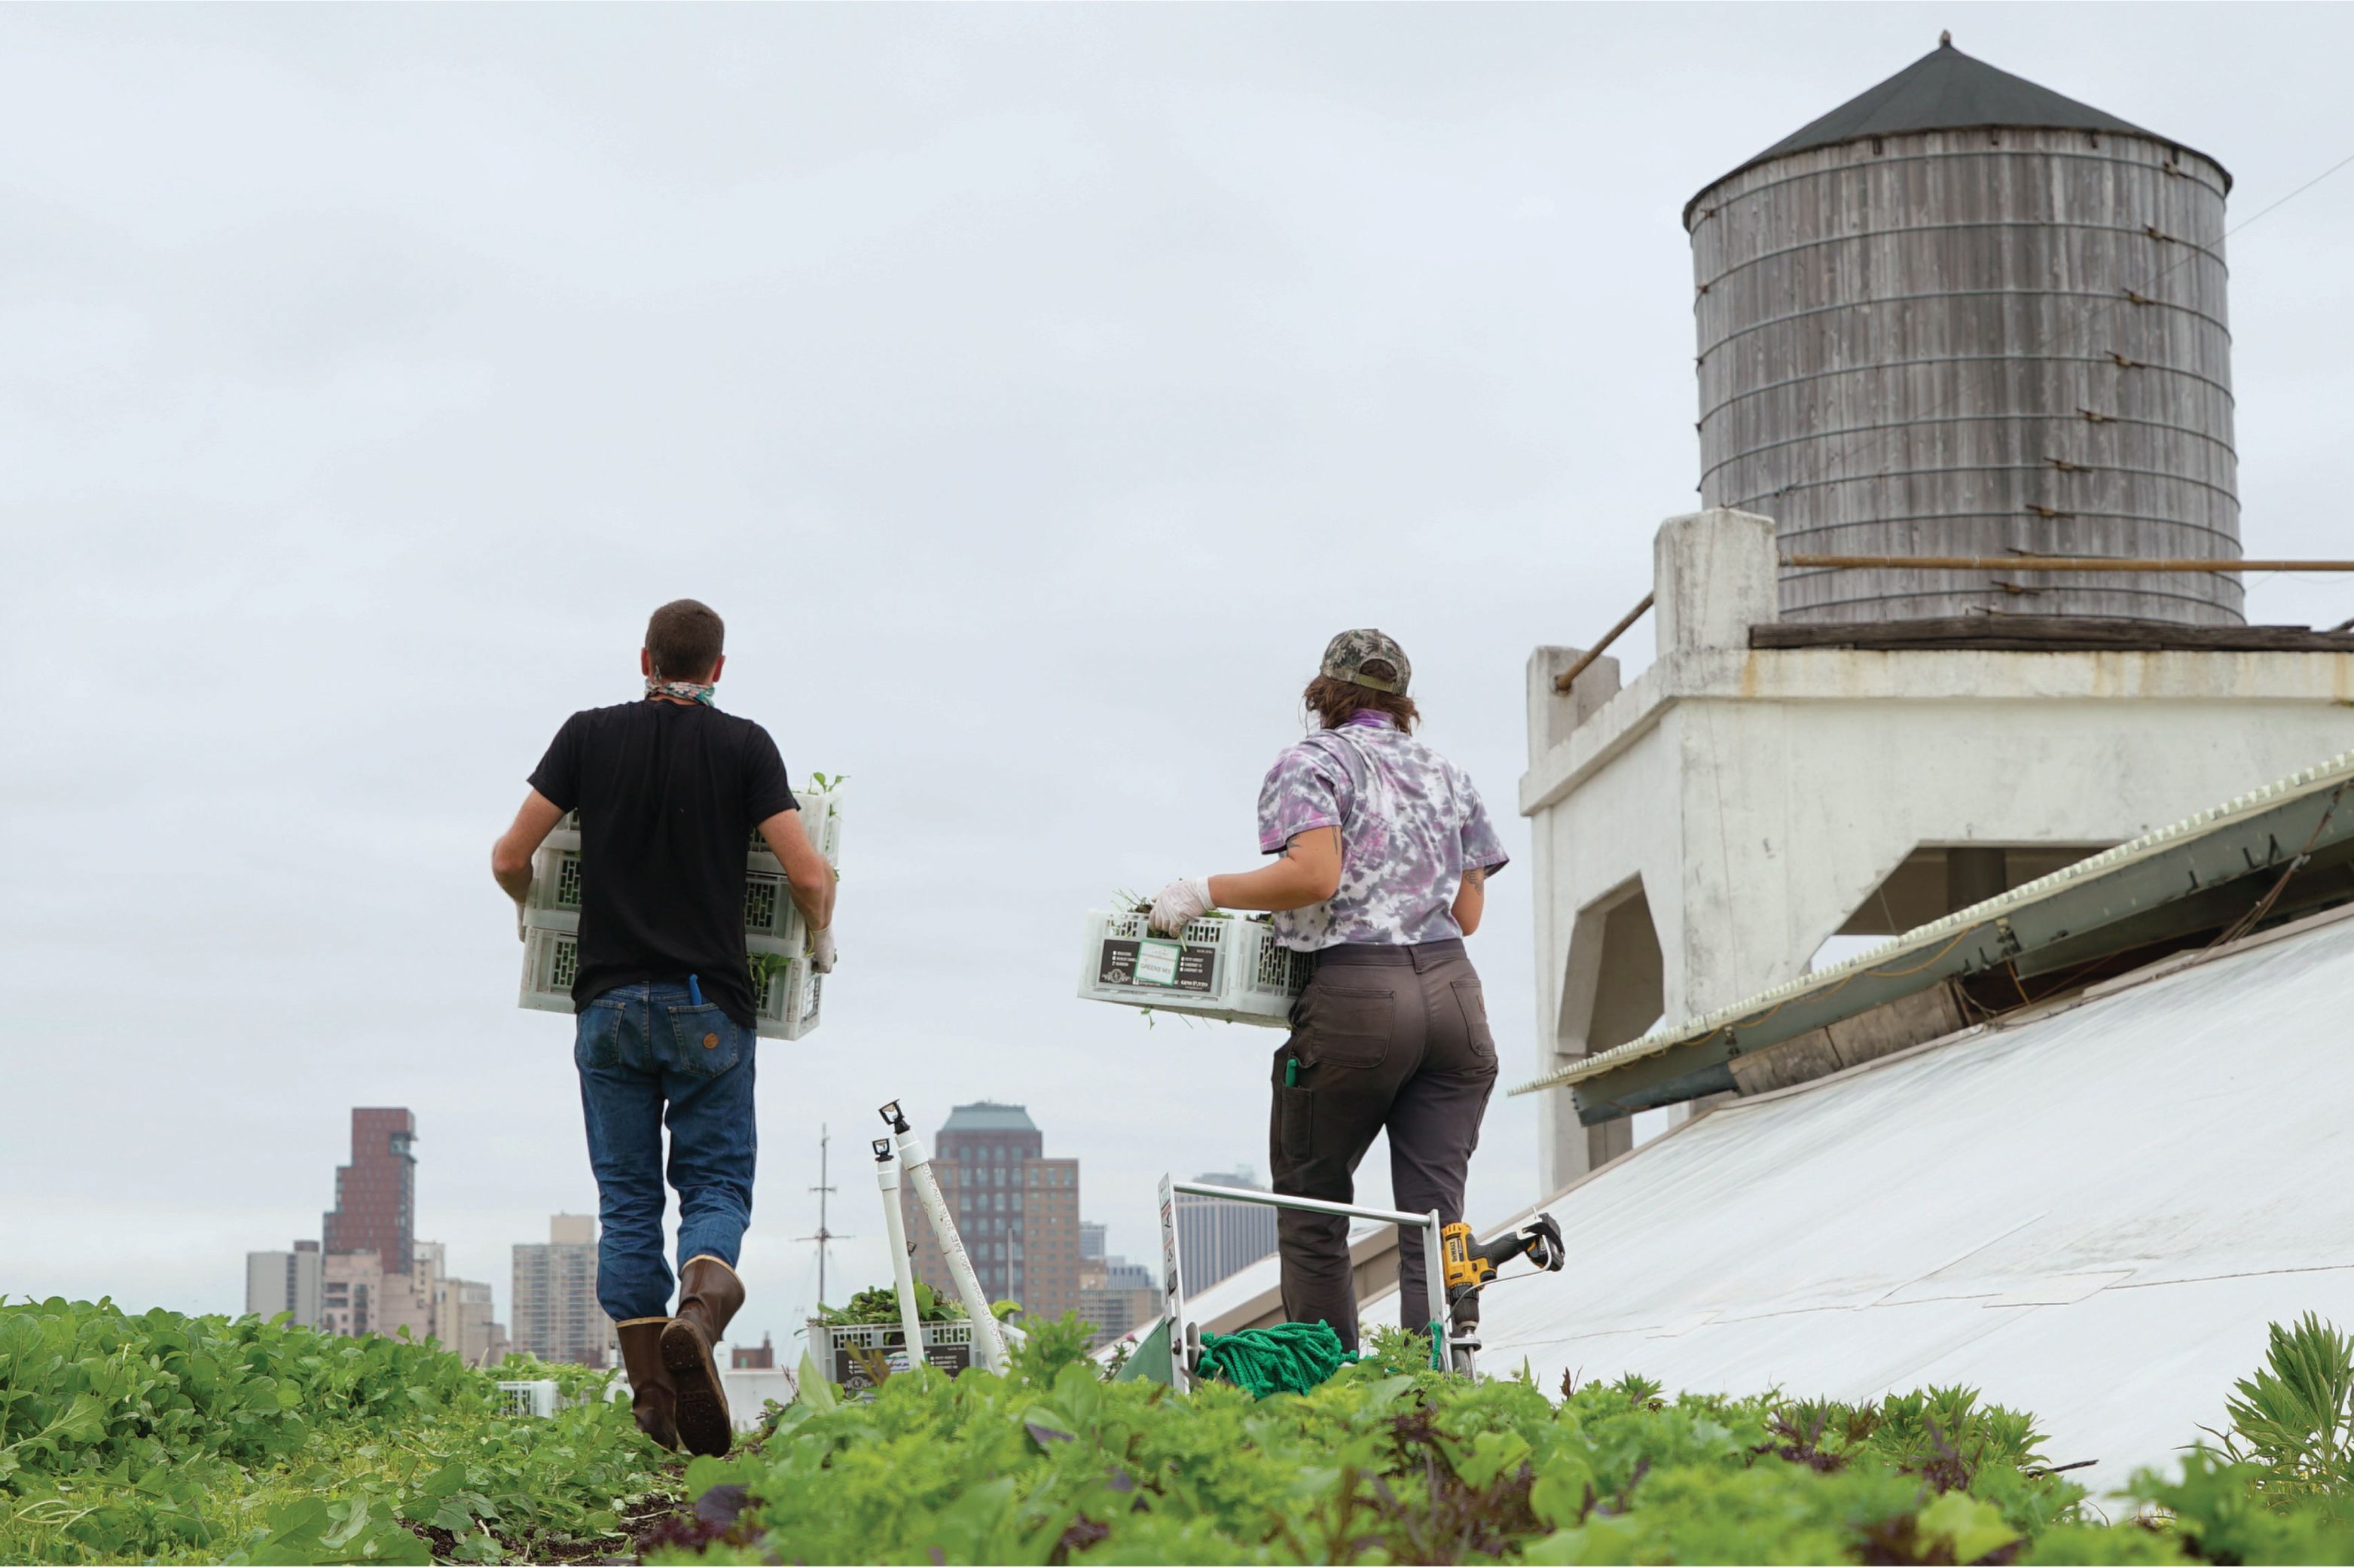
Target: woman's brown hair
{"type": "Point", "coordinates": [1334, 701]}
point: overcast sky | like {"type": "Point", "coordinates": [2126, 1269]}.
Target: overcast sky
{"type": "Point", "coordinates": [1033, 390]}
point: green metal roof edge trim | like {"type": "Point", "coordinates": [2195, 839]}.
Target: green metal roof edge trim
{"type": "Point", "coordinates": [1959, 923]}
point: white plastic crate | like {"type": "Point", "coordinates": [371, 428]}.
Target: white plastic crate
{"type": "Point", "coordinates": [551, 962]}
{"type": "Point", "coordinates": [770, 913]}
{"type": "Point", "coordinates": [843, 1349]}
{"type": "Point", "coordinates": [536, 1397]}
{"type": "Point", "coordinates": [787, 1005]}
{"type": "Point", "coordinates": [1229, 969]}
{"type": "Point", "coordinates": [554, 903]}
{"type": "Point", "coordinates": [820, 819]}
{"type": "Point", "coordinates": [790, 1003]}
{"type": "Point", "coordinates": [820, 812]}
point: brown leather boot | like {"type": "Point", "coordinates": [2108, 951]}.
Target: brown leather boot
{"type": "Point", "coordinates": [651, 1399]}
{"type": "Point", "coordinates": [708, 1295]}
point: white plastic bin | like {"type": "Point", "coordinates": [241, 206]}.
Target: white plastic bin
{"type": "Point", "coordinates": [1229, 967]}
{"type": "Point", "coordinates": [789, 1001]}
{"type": "Point", "coordinates": [843, 1349]}
{"type": "Point", "coordinates": [536, 1397]}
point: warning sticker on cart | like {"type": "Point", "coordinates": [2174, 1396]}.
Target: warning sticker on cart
{"type": "Point", "coordinates": [1173, 965]}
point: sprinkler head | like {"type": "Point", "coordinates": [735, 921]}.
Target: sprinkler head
{"type": "Point", "coordinates": [882, 1149]}
{"type": "Point", "coordinates": [892, 1113]}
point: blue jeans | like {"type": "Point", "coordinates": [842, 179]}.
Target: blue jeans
{"type": "Point", "coordinates": [638, 1048]}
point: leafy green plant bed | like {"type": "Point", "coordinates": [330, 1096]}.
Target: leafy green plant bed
{"type": "Point", "coordinates": [166, 1438]}
{"type": "Point", "coordinates": [880, 1304]}
{"type": "Point", "coordinates": [1390, 1462]}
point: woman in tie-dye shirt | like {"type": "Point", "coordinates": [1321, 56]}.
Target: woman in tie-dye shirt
{"type": "Point", "coordinates": [1383, 853]}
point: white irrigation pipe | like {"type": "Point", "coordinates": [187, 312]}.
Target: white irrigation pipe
{"type": "Point", "coordinates": [903, 1273]}
{"type": "Point", "coordinates": [987, 1345]}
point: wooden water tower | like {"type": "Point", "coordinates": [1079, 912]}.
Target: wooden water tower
{"type": "Point", "coordinates": [1962, 315]}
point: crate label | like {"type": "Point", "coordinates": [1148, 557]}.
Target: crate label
{"type": "Point", "coordinates": [851, 1371]}
{"type": "Point", "coordinates": [1170, 965]}
{"type": "Point", "coordinates": [1156, 962]}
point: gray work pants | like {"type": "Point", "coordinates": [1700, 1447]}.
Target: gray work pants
{"type": "Point", "coordinates": [1386, 1038]}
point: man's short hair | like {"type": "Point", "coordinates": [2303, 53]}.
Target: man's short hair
{"type": "Point", "coordinates": [684, 639]}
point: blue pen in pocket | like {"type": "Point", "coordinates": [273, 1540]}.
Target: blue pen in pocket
{"type": "Point", "coordinates": [694, 991]}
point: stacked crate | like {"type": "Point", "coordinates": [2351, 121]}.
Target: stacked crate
{"type": "Point", "coordinates": [788, 994]}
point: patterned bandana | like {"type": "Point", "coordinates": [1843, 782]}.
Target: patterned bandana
{"type": "Point", "coordinates": [685, 691]}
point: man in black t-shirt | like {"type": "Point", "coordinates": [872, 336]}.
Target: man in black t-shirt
{"type": "Point", "coordinates": [669, 790]}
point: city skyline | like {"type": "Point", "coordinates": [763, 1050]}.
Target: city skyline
{"type": "Point", "coordinates": [342, 1283]}
{"type": "Point", "coordinates": [339, 1282]}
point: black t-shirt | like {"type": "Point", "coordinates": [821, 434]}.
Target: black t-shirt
{"type": "Point", "coordinates": [668, 794]}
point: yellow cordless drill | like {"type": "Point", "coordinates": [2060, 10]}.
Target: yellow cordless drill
{"type": "Point", "coordinates": [1470, 1265]}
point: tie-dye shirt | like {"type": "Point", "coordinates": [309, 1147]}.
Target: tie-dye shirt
{"type": "Point", "coordinates": [1410, 822]}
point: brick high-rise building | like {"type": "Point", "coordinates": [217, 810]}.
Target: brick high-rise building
{"type": "Point", "coordinates": [1017, 1211]}
{"type": "Point", "coordinates": [553, 1301]}
{"type": "Point", "coordinates": [376, 1194]}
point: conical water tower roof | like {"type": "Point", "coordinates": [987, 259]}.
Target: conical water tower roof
{"type": "Point", "coordinates": [1945, 90]}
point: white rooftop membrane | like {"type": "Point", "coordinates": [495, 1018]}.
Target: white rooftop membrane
{"type": "Point", "coordinates": [2090, 1214]}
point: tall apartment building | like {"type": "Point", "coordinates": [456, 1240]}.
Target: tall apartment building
{"type": "Point", "coordinates": [1216, 1238]}
{"type": "Point", "coordinates": [461, 1321]}
{"type": "Point", "coordinates": [407, 1301]}
{"type": "Point", "coordinates": [1017, 1211]}
{"type": "Point", "coordinates": [554, 1303]}
{"type": "Point", "coordinates": [376, 1194]}
{"type": "Point", "coordinates": [279, 1282]}
{"type": "Point", "coordinates": [351, 1293]}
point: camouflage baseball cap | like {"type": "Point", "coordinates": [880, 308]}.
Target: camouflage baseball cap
{"type": "Point", "coordinates": [1346, 656]}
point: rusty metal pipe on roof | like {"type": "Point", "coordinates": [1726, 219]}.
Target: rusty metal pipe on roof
{"type": "Point", "coordinates": [1568, 677]}
{"type": "Point", "coordinates": [2056, 564]}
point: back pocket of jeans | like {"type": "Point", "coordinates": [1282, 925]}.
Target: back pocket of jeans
{"type": "Point", "coordinates": [703, 1041]}
{"type": "Point", "coordinates": [597, 1032]}
{"type": "Point", "coordinates": [1347, 1028]}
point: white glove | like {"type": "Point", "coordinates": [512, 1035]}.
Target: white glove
{"type": "Point", "coordinates": [1187, 899]}
{"type": "Point", "coordinates": [820, 951]}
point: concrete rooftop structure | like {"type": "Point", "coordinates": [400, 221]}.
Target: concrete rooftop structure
{"type": "Point", "coordinates": [1699, 834]}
